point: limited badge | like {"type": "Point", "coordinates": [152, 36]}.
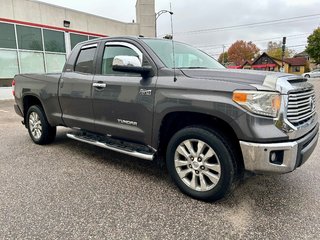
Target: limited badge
{"type": "Point", "coordinates": [145, 92]}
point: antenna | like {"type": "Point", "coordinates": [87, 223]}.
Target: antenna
{"type": "Point", "coordinates": [173, 50]}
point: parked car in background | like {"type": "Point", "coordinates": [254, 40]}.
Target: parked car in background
{"type": "Point", "coordinates": [313, 74]}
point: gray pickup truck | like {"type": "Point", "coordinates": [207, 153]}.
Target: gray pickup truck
{"type": "Point", "coordinates": [161, 100]}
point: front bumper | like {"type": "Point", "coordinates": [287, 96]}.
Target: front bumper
{"type": "Point", "coordinates": [279, 157]}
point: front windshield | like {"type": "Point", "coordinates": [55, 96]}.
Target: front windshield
{"type": "Point", "coordinates": [185, 55]}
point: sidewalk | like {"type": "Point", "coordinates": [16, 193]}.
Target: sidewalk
{"type": "Point", "coordinates": [5, 93]}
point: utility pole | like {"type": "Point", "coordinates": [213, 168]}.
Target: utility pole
{"type": "Point", "coordinates": [284, 39]}
{"type": "Point", "coordinates": [223, 46]}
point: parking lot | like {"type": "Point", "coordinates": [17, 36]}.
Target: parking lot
{"type": "Point", "coordinates": [71, 190]}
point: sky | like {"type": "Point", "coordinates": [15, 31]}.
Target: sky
{"type": "Point", "coordinates": [196, 22]}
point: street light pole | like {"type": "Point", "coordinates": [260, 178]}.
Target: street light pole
{"type": "Point", "coordinates": [158, 14]}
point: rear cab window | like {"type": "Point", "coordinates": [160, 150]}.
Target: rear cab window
{"type": "Point", "coordinates": [84, 63]}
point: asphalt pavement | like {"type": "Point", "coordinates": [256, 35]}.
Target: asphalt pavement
{"type": "Point", "coordinates": [71, 190]}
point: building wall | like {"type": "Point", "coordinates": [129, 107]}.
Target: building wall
{"type": "Point", "coordinates": [298, 70]}
{"type": "Point", "coordinates": [286, 66]}
{"type": "Point", "coordinates": [146, 17]}
{"type": "Point", "coordinates": [33, 37]}
{"type": "Point", "coordinates": [47, 14]}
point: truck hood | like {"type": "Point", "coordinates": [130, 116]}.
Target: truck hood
{"type": "Point", "coordinates": [236, 76]}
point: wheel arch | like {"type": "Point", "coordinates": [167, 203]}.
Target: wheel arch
{"type": "Point", "coordinates": [28, 101]}
{"type": "Point", "coordinates": [175, 121]}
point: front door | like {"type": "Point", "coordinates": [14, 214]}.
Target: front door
{"type": "Point", "coordinates": [123, 102]}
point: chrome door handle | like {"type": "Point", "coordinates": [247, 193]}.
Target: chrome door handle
{"type": "Point", "coordinates": [99, 85]}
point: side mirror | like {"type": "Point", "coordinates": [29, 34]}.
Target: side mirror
{"type": "Point", "coordinates": [131, 64]}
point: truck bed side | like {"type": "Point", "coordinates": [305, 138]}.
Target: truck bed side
{"type": "Point", "coordinates": [42, 88]}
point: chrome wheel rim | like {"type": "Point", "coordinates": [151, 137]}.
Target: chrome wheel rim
{"type": "Point", "coordinates": [197, 165]}
{"type": "Point", "coordinates": [35, 125]}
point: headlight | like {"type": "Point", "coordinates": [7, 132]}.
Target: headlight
{"type": "Point", "coordinates": [259, 102]}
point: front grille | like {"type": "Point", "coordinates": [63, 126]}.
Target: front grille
{"type": "Point", "coordinates": [301, 106]}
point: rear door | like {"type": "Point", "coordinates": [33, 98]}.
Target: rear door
{"type": "Point", "coordinates": [75, 90]}
{"type": "Point", "coordinates": [123, 102]}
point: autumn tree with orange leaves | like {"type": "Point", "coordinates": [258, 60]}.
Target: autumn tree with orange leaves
{"type": "Point", "coordinates": [242, 51]}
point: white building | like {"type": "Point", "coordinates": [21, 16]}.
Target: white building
{"type": "Point", "coordinates": [36, 37]}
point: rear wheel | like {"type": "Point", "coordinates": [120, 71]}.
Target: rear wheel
{"type": "Point", "coordinates": [39, 129]}
{"type": "Point", "coordinates": [307, 76]}
{"type": "Point", "coordinates": [201, 163]}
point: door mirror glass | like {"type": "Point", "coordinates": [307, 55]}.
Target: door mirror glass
{"type": "Point", "coordinates": [130, 64]}
{"type": "Point", "coordinates": [126, 61]}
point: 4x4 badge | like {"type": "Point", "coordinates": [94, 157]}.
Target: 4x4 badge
{"type": "Point", "coordinates": [145, 92]}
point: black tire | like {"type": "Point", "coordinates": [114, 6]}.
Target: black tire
{"type": "Point", "coordinates": [223, 156]}
{"type": "Point", "coordinates": [307, 76]}
{"type": "Point", "coordinates": [47, 133]}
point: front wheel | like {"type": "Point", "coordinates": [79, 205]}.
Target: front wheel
{"type": "Point", "coordinates": [201, 163]}
{"type": "Point", "coordinates": [39, 129]}
{"type": "Point", "coordinates": [307, 76]}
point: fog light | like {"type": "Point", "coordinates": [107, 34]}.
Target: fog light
{"type": "Point", "coordinates": [276, 157]}
{"type": "Point", "coordinates": [273, 157]}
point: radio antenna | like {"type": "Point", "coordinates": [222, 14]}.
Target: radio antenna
{"type": "Point", "coordinates": [173, 50]}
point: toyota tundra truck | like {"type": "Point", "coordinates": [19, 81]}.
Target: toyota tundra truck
{"type": "Point", "coordinates": [157, 99]}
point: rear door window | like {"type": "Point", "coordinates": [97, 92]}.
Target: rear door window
{"type": "Point", "coordinates": [85, 59]}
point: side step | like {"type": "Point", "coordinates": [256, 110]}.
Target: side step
{"type": "Point", "coordinates": [132, 149]}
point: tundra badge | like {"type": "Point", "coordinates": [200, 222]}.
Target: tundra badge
{"type": "Point", "coordinates": [127, 122]}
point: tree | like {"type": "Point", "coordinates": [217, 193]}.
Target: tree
{"type": "Point", "coordinates": [223, 58]}
{"type": "Point", "coordinates": [275, 50]}
{"type": "Point", "coordinates": [313, 48]}
{"type": "Point", "coordinates": [242, 51]}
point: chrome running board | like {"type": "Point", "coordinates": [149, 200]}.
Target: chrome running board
{"type": "Point", "coordinates": [114, 146]}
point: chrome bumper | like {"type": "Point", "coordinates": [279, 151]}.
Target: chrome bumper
{"type": "Point", "coordinates": [288, 155]}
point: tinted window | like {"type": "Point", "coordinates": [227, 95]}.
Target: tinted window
{"type": "Point", "coordinates": [7, 36]}
{"type": "Point", "coordinates": [8, 63]}
{"type": "Point", "coordinates": [31, 62]}
{"type": "Point", "coordinates": [29, 38]}
{"type": "Point", "coordinates": [85, 60]}
{"type": "Point", "coordinates": [55, 62]}
{"type": "Point", "coordinates": [76, 38]}
{"type": "Point", "coordinates": [54, 41]}
{"type": "Point", "coordinates": [109, 53]}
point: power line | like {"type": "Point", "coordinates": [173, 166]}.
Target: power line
{"type": "Point", "coordinates": [281, 20]}
{"type": "Point", "coordinates": [263, 50]}
{"type": "Point", "coordinates": [257, 40]}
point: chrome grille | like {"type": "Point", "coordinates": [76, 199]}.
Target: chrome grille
{"type": "Point", "coordinates": [301, 106]}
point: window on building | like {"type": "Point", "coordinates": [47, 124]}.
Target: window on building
{"type": "Point", "coordinates": [8, 64]}
{"type": "Point", "coordinates": [29, 38]}
{"type": "Point", "coordinates": [54, 41]}
{"type": "Point", "coordinates": [76, 38]}
{"type": "Point", "coordinates": [109, 53]}
{"type": "Point", "coordinates": [296, 69]}
{"type": "Point", "coordinates": [55, 62]}
{"type": "Point", "coordinates": [31, 62]}
{"type": "Point", "coordinates": [7, 36]}
{"type": "Point", "coordinates": [85, 60]}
